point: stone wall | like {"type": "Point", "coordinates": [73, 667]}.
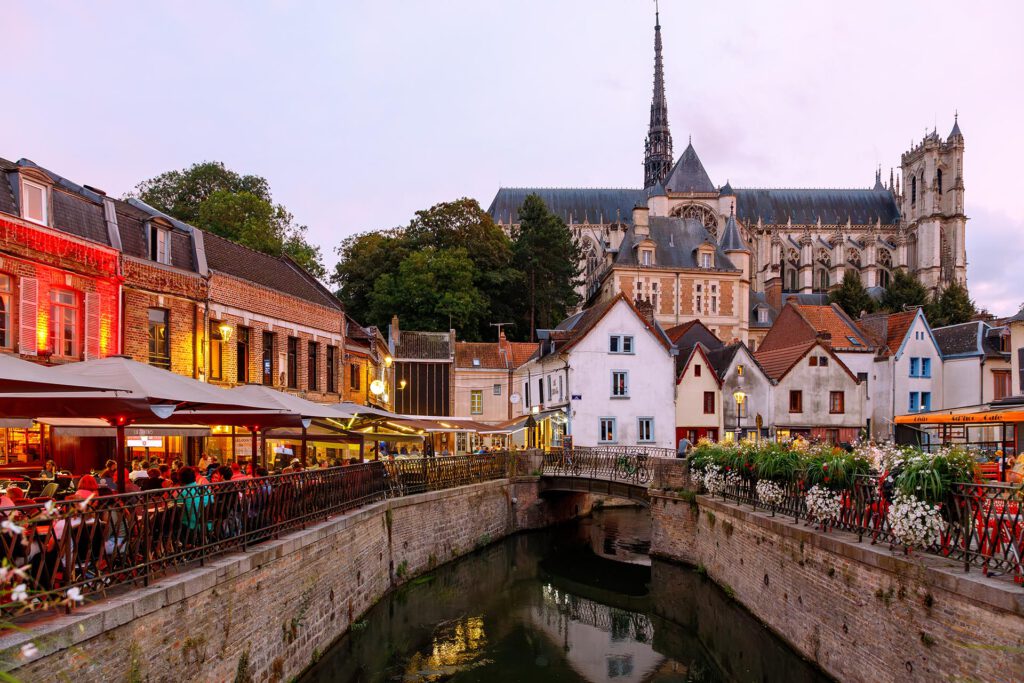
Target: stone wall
{"type": "Point", "coordinates": [267, 614]}
{"type": "Point", "coordinates": [861, 612]}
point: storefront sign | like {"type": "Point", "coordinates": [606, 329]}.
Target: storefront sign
{"type": "Point", "coordinates": [146, 442]}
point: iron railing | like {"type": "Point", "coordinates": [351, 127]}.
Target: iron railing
{"type": "Point", "coordinates": [635, 465]}
{"type": "Point", "coordinates": [131, 538]}
{"type": "Point", "coordinates": [983, 524]}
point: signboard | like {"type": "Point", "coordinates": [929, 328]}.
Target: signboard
{"type": "Point", "coordinates": [957, 418]}
{"type": "Point", "coordinates": [513, 399]}
{"type": "Point", "coordinates": [567, 443]}
{"type": "Point", "coordinates": [146, 442]}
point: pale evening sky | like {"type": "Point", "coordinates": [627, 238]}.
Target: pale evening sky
{"type": "Point", "coordinates": [361, 112]}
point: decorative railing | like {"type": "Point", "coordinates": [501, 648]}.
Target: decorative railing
{"type": "Point", "coordinates": [635, 465]}
{"type": "Point", "coordinates": [131, 538]}
{"type": "Point", "coordinates": [983, 524]}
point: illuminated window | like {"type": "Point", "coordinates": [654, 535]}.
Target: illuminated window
{"type": "Point", "coordinates": [645, 429]}
{"type": "Point", "coordinates": [476, 401]}
{"type": "Point", "coordinates": [5, 311]}
{"type": "Point", "coordinates": [34, 203]}
{"type": "Point", "coordinates": [159, 342]}
{"type": "Point", "coordinates": [332, 370]}
{"type": "Point", "coordinates": [268, 358]}
{"type": "Point", "coordinates": [620, 384]}
{"type": "Point", "coordinates": [159, 244]}
{"type": "Point", "coordinates": [606, 430]}
{"type": "Point", "coordinates": [836, 402]}
{"type": "Point", "coordinates": [739, 370]}
{"type": "Point", "coordinates": [216, 351]}
{"type": "Point", "coordinates": [64, 324]}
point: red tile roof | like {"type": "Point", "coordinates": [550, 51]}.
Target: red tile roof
{"type": "Point", "coordinates": [491, 355]}
{"type": "Point", "coordinates": [834, 321]}
{"type": "Point", "coordinates": [777, 362]}
{"type": "Point", "coordinates": [899, 325]}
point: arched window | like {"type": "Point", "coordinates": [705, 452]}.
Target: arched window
{"type": "Point", "coordinates": [792, 280]}
{"type": "Point", "coordinates": [938, 179]}
{"type": "Point", "coordinates": [853, 256]}
{"type": "Point", "coordinates": [913, 190]}
{"type": "Point", "coordinates": [884, 258]}
{"type": "Point", "coordinates": [823, 280]}
{"type": "Point", "coordinates": [590, 255]}
{"type": "Point", "coordinates": [700, 213]}
{"type": "Point", "coordinates": [883, 278]}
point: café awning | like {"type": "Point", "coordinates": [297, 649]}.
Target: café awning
{"type": "Point", "coordinates": [290, 403]}
{"type": "Point", "coordinates": [94, 426]}
{"type": "Point", "coordinates": [984, 417]}
{"type": "Point", "coordinates": [22, 376]}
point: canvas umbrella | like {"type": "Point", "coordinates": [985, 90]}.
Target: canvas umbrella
{"type": "Point", "coordinates": [17, 375]}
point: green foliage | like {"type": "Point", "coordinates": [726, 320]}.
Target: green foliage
{"type": "Point", "coordinates": [239, 207]}
{"type": "Point", "coordinates": [904, 292]}
{"type": "Point", "coordinates": [833, 468]}
{"type": "Point", "coordinates": [851, 295]}
{"type": "Point", "coordinates": [778, 463]}
{"type": "Point", "coordinates": [546, 256]}
{"type": "Point", "coordinates": [929, 477]}
{"type": "Point", "coordinates": [952, 306]}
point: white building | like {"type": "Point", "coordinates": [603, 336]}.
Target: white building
{"type": "Point", "coordinates": [609, 371]}
{"type": "Point", "coordinates": [976, 363]}
{"type": "Point", "coordinates": [739, 371]}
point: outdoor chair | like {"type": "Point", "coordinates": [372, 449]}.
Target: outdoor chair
{"type": "Point", "coordinates": [49, 491]}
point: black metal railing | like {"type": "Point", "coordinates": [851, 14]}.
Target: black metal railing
{"type": "Point", "coordinates": [635, 465]}
{"type": "Point", "coordinates": [983, 524]}
{"type": "Point", "coordinates": [106, 541]}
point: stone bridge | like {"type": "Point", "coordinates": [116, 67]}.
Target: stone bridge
{"type": "Point", "coordinates": [622, 472]}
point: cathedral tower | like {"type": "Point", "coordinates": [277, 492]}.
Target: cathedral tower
{"type": "Point", "coordinates": [932, 207]}
{"type": "Point", "coordinates": [658, 147]}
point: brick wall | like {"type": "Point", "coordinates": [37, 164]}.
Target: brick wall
{"type": "Point", "coordinates": [859, 611]}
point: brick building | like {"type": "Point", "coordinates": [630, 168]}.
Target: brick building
{"type": "Point", "coordinates": [367, 359]}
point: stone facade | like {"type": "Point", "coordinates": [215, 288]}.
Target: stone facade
{"type": "Point", "coordinates": [859, 611]}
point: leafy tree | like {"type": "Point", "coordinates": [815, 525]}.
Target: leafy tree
{"type": "Point", "coordinates": [547, 257]}
{"type": "Point", "coordinates": [365, 258]}
{"type": "Point", "coordinates": [239, 207]}
{"type": "Point", "coordinates": [905, 291]}
{"type": "Point", "coordinates": [431, 285]}
{"type": "Point", "coordinates": [851, 295]}
{"type": "Point", "coordinates": [951, 306]}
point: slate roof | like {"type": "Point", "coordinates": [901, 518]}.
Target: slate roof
{"type": "Point", "coordinates": [805, 207]}
{"type": "Point", "coordinates": [688, 175]}
{"type": "Point", "coordinates": [578, 205]}
{"type": "Point", "coordinates": [974, 338]}
{"type": "Point", "coordinates": [434, 346]}
{"type": "Point", "coordinates": [676, 241]}
{"type": "Point", "coordinates": [689, 333]}
{"type": "Point", "coordinates": [131, 226]}
{"type": "Point", "coordinates": [760, 300]}
{"type": "Point", "coordinates": [731, 240]}
{"type": "Point", "coordinates": [278, 273]}
{"type": "Point", "coordinates": [721, 357]}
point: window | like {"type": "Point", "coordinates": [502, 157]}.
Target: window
{"type": "Point", "coordinates": [1004, 343]}
{"type": "Point", "coordinates": [823, 361]}
{"type": "Point", "coordinates": [354, 377]}
{"type": "Point", "coordinates": [620, 384]}
{"type": "Point", "coordinates": [832, 436]}
{"type": "Point", "coordinates": [476, 362]}
{"type": "Point", "coordinates": [836, 402]}
{"type": "Point", "coordinates": [159, 244]}
{"type": "Point", "coordinates": [709, 403]}
{"type": "Point", "coordinates": [293, 363]}
{"type": "Point", "coordinates": [5, 311]}
{"type": "Point", "coordinates": [332, 370]}
{"type": "Point", "coordinates": [1000, 384]}
{"type": "Point", "coordinates": [64, 325]}
{"type": "Point", "coordinates": [644, 429]}
{"type": "Point", "coordinates": [699, 290]}
{"type": "Point", "coordinates": [706, 260]}
{"type": "Point", "coordinates": [823, 280]}
{"type": "Point", "coordinates": [714, 298]}
{"type": "Point", "coordinates": [853, 341]}
{"type": "Point", "coordinates": [762, 315]}
{"type": "Point", "coordinates": [526, 393]}
{"type": "Point", "coordinates": [313, 366]}
{"type": "Point", "coordinates": [159, 343]}
{"type": "Point", "coordinates": [606, 430]}
{"type": "Point", "coordinates": [926, 400]}
{"type": "Point", "coordinates": [476, 401]}
{"type": "Point", "coordinates": [619, 343]}
{"type": "Point", "coordinates": [739, 370]}
{"type": "Point", "coordinates": [549, 388]}
{"type": "Point", "coordinates": [883, 278]}
{"type": "Point", "coordinates": [813, 361]}
{"type": "Point", "coordinates": [915, 367]}
{"type": "Point", "coordinates": [796, 401]}
{"type": "Point", "coordinates": [914, 398]}
{"type": "Point", "coordinates": [216, 351]}
{"type": "Point", "coordinates": [540, 391]}
{"type": "Point", "coordinates": [34, 204]}
{"type": "Point", "coordinates": [268, 358]}
{"type": "Point", "coordinates": [913, 190]}
{"type": "Point", "coordinates": [646, 257]}
{"type": "Point", "coordinates": [938, 179]}
{"type": "Point", "coordinates": [926, 367]}
{"type": "Point", "coordinates": [696, 370]}
{"type": "Point", "coordinates": [242, 354]}
{"type": "Point", "coordinates": [742, 408]}
{"type": "Point", "coordinates": [496, 390]}
{"type": "Point", "coordinates": [862, 377]}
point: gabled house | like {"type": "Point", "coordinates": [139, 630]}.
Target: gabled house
{"type": "Point", "coordinates": [976, 363]}
{"type": "Point", "coordinates": [604, 375]}
{"type": "Point", "coordinates": [483, 377]}
{"type": "Point", "coordinates": [739, 371]}
{"type": "Point", "coordinates": [367, 360]}
{"type": "Point", "coordinates": [698, 396]}
{"type": "Point", "coordinates": [815, 394]}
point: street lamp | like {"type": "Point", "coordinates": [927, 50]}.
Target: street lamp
{"type": "Point", "coordinates": [225, 332]}
{"type": "Point", "coordinates": [739, 397]}
{"type": "Point", "coordinates": [388, 360]}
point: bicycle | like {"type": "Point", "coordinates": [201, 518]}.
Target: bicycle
{"type": "Point", "coordinates": [632, 467]}
{"type": "Point", "coordinates": [571, 465]}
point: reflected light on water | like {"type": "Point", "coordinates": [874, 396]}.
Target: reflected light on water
{"type": "Point", "coordinates": [454, 647]}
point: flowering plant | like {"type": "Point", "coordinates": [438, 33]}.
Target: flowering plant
{"type": "Point", "coordinates": [822, 504]}
{"type": "Point", "coordinates": [769, 492]}
{"type": "Point", "coordinates": [915, 522]}
{"type": "Point", "coordinates": [714, 480]}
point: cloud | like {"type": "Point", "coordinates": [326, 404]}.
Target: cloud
{"type": "Point", "coordinates": [994, 261]}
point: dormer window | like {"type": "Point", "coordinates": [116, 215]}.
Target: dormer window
{"type": "Point", "coordinates": [762, 315]}
{"type": "Point", "coordinates": [476, 362]}
{"type": "Point", "coordinates": [706, 260]}
{"type": "Point", "coordinates": [646, 257]}
{"type": "Point", "coordinates": [34, 202]}
{"type": "Point", "coordinates": [159, 244]}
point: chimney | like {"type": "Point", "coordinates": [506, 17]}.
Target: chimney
{"type": "Point", "coordinates": [641, 226]}
{"type": "Point", "coordinates": [394, 331]}
{"type": "Point", "coordinates": [646, 309]}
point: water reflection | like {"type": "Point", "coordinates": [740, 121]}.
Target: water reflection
{"type": "Point", "coordinates": [551, 606]}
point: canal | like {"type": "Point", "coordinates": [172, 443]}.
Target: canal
{"type": "Point", "coordinates": [580, 602]}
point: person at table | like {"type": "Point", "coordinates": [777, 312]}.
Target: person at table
{"type": "Point", "coordinates": [140, 470]}
{"type": "Point", "coordinates": [152, 480]}
{"type": "Point", "coordinates": [193, 497]}
{"type": "Point", "coordinates": [1016, 473]}
{"type": "Point", "coordinates": [204, 462]}
{"type": "Point", "coordinates": [49, 470]}
{"type": "Point", "coordinates": [237, 473]}
{"type": "Point", "coordinates": [13, 498]}
{"type": "Point", "coordinates": [88, 488]}
{"type": "Point", "coordinates": [165, 474]}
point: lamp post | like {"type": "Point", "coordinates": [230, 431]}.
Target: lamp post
{"type": "Point", "coordinates": [739, 397]}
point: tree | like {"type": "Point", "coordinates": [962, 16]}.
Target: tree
{"type": "Point", "coordinates": [851, 295]}
{"type": "Point", "coordinates": [431, 286]}
{"type": "Point", "coordinates": [904, 292]}
{"type": "Point", "coordinates": [365, 258]}
{"type": "Point", "coordinates": [239, 207]}
{"type": "Point", "coordinates": [547, 257]}
{"type": "Point", "coordinates": [951, 306]}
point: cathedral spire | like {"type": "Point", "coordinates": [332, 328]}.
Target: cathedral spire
{"type": "Point", "coordinates": [658, 147]}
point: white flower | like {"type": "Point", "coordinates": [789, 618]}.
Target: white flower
{"type": "Point", "coordinates": [714, 481]}
{"type": "Point", "coordinates": [49, 508]}
{"type": "Point", "coordinates": [10, 527]}
{"type": "Point", "coordinates": [822, 504]}
{"type": "Point", "coordinates": [19, 593]}
{"type": "Point", "coordinates": [75, 594]}
{"type": "Point", "coordinates": [915, 522]}
{"type": "Point", "coordinates": [769, 492]}
{"type": "Point", "coordinates": [29, 650]}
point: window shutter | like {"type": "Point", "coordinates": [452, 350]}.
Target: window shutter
{"type": "Point", "coordinates": [92, 325]}
{"type": "Point", "coordinates": [28, 314]}
{"type": "Point", "coordinates": [1020, 366]}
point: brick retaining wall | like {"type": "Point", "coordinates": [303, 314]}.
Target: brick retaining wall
{"type": "Point", "coordinates": [861, 612]}
{"type": "Point", "coordinates": [266, 614]}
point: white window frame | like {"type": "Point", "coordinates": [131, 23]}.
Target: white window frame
{"type": "Point", "coordinates": [646, 257]}
{"type": "Point", "coordinates": [6, 292]}
{"type": "Point", "coordinates": [614, 430]}
{"type": "Point", "coordinates": [625, 384]}
{"type": "Point", "coordinates": [640, 429]}
{"type": "Point", "coordinates": [496, 390]}
{"type": "Point", "coordinates": [161, 250]}
{"type": "Point", "coordinates": [44, 204]}
{"type": "Point", "coordinates": [476, 402]}
{"type": "Point", "coordinates": [57, 338]}
{"type": "Point", "coordinates": [762, 315]}
{"type": "Point", "coordinates": [706, 260]}
{"type": "Point", "coordinates": [620, 344]}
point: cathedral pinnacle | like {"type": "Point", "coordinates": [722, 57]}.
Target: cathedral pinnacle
{"type": "Point", "coordinates": [658, 147]}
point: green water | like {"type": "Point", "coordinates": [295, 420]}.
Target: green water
{"type": "Point", "coordinates": [555, 606]}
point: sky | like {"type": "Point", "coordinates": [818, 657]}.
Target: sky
{"type": "Point", "coordinates": [360, 113]}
